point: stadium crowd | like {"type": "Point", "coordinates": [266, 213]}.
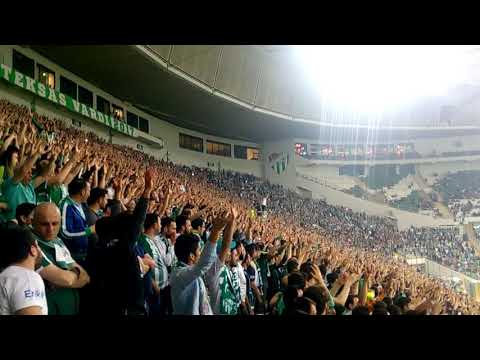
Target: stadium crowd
{"type": "Point", "coordinates": [95, 228]}
{"type": "Point", "coordinates": [444, 246]}
{"type": "Point", "coordinates": [459, 185]}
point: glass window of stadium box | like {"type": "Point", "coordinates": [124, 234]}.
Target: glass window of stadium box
{"type": "Point", "coordinates": [143, 125]}
{"type": "Point", "coordinates": [46, 76]}
{"type": "Point", "coordinates": [240, 152]}
{"type": "Point", "coordinates": [221, 149]}
{"type": "Point", "coordinates": [68, 87]}
{"type": "Point", "coordinates": [117, 112]}
{"type": "Point", "coordinates": [245, 152]}
{"type": "Point", "coordinates": [253, 154]}
{"type": "Point", "coordinates": [301, 149]}
{"type": "Point", "coordinates": [103, 105]}
{"type": "Point", "coordinates": [85, 96]}
{"type": "Point", "coordinates": [132, 120]}
{"type": "Point", "coordinates": [23, 64]}
{"type": "Point", "coordinates": [191, 142]}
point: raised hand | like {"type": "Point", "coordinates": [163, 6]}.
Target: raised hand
{"type": "Point", "coordinates": [149, 175]}
{"type": "Point", "coordinates": [220, 221]}
{"type": "Point", "coordinates": [232, 215]}
{"type": "Point", "coordinates": [39, 148]}
{"type": "Point", "coordinates": [317, 275]}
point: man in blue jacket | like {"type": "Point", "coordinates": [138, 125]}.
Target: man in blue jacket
{"type": "Point", "coordinates": [74, 229]}
{"type": "Point", "coordinates": [188, 291]}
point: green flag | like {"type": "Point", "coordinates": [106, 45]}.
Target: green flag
{"type": "Point", "coordinates": [34, 120]}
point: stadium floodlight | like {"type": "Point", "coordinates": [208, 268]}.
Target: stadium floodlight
{"type": "Point", "coordinates": [378, 78]}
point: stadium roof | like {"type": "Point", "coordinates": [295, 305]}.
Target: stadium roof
{"type": "Point", "coordinates": [241, 92]}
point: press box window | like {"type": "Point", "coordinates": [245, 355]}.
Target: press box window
{"type": "Point", "coordinates": [68, 87]}
{"type": "Point", "coordinates": [46, 76]}
{"type": "Point", "coordinates": [85, 96]}
{"type": "Point", "coordinates": [23, 64]}
{"type": "Point", "coordinates": [143, 125]}
{"type": "Point", "coordinates": [240, 151]}
{"type": "Point", "coordinates": [220, 149]}
{"type": "Point", "coordinates": [103, 105]}
{"type": "Point", "coordinates": [132, 120]}
{"type": "Point", "coordinates": [191, 142]}
{"type": "Point", "coordinates": [245, 152]}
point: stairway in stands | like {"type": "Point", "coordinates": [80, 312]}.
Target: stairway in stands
{"type": "Point", "coordinates": [425, 189]}
{"type": "Point", "coordinates": [377, 197]}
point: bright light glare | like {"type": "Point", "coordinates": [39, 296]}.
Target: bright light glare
{"type": "Point", "coordinates": [364, 78]}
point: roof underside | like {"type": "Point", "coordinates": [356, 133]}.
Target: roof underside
{"type": "Point", "coordinates": [137, 79]}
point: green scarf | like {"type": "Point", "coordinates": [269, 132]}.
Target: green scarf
{"type": "Point", "coordinates": [40, 128]}
{"type": "Point", "coordinates": [230, 292]}
{"type": "Point", "coordinates": [58, 252]}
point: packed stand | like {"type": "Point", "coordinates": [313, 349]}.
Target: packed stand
{"type": "Point", "coordinates": [444, 246]}
{"type": "Point", "coordinates": [95, 228]}
{"type": "Point", "coordinates": [459, 185]}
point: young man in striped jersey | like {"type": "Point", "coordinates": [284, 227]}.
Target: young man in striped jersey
{"type": "Point", "coordinates": [151, 246]}
{"type": "Point", "coordinates": [166, 245]}
{"type": "Point", "coordinates": [222, 278]}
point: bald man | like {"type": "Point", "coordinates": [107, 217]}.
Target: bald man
{"type": "Point", "coordinates": [62, 275]}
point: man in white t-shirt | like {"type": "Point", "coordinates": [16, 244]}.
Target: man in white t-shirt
{"type": "Point", "coordinates": [22, 291]}
{"type": "Point", "coordinates": [264, 203]}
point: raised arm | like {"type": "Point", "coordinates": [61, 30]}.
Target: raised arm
{"type": "Point", "coordinates": [140, 211]}
{"type": "Point", "coordinates": [73, 174]}
{"type": "Point", "coordinates": [95, 175]}
{"type": "Point", "coordinates": [8, 142]}
{"type": "Point", "coordinates": [364, 290]}
{"type": "Point", "coordinates": [28, 164]}
{"type": "Point", "coordinates": [302, 254]}
{"type": "Point", "coordinates": [342, 297]}
{"type": "Point", "coordinates": [207, 258]}
{"type": "Point", "coordinates": [109, 173]}
{"type": "Point", "coordinates": [228, 235]}
{"type": "Point", "coordinates": [67, 168]}
{"type": "Point", "coordinates": [117, 207]}
{"type": "Point", "coordinates": [44, 174]}
{"type": "Point", "coordinates": [102, 181]}
{"type": "Point", "coordinates": [249, 229]}
{"type": "Point", "coordinates": [289, 253]}
{"type": "Point", "coordinates": [198, 214]}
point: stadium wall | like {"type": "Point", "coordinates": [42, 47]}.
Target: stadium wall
{"type": "Point", "coordinates": [159, 129]}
